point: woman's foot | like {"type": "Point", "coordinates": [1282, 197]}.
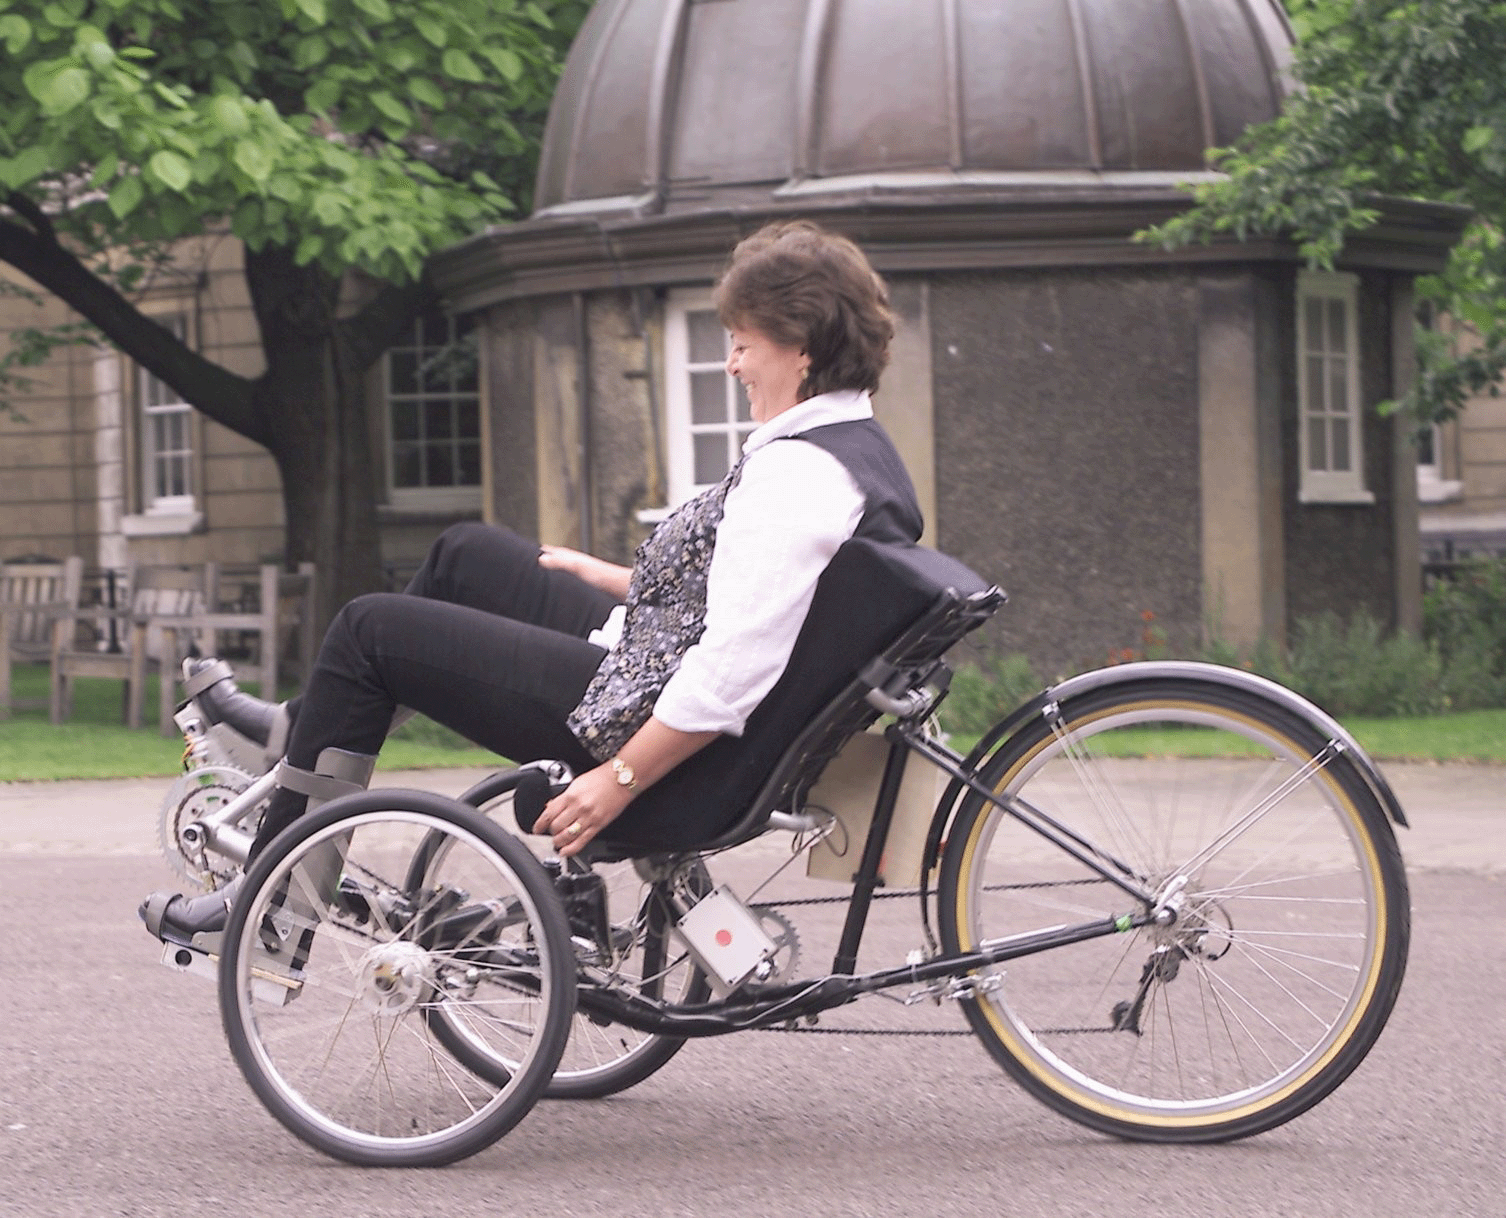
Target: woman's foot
{"type": "Point", "coordinates": [174, 916]}
{"type": "Point", "coordinates": [251, 731]}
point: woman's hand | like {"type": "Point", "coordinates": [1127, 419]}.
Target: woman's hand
{"type": "Point", "coordinates": [583, 809]}
{"type": "Point", "coordinates": [597, 798]}
{"type": "Point", "coordinates": [598, 572]}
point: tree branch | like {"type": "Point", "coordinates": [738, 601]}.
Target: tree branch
{"type": "Point", "coordinates": [33, 215]}
{"type": "Point", "coordinates": [223, 396]}
{"type": "Point", "coordinates": [385, 317]}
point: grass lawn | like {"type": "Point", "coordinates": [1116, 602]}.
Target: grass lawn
{"type": "Point", "coordinates": [95, 744]}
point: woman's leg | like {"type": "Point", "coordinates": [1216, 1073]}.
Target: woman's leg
{"type": "Point", "coordinates": [496, 570]}
{"type": "Point", "coordinates": [508, 685]}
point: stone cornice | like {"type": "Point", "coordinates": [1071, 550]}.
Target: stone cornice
{"type": "Point", "coordinates": [1049, 221]}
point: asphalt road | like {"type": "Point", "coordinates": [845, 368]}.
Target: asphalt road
{"type": "Point", "coordinates": [118, 1096]}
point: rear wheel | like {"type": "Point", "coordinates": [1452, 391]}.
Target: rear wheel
{"type": "Point", "coordinates": [637, 955]}
{"type": "Point", "coordinates": [332, 963]}
{"type": "Point", "coordinates": [1291, 928]}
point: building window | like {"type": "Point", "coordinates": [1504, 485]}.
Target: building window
{"type": "Point", "coordinates": [166, 439]}
{"type": "Point", "coordinates": [1432, 486]}
{"type": "Point", "coordinates": [707, 414]}
{"type": "Point", "coordinates": [1328, 389]}
{"type": "Point", "coordinates": [434, 415]}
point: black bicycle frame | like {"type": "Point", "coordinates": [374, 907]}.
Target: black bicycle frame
{"type": "Point", "coordinates": [765, 1006]}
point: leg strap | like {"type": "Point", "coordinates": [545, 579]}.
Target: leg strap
{"type": "Point", "coordinates": [210, 674]}
{"type": "Point", "coordinates": [338, 772]}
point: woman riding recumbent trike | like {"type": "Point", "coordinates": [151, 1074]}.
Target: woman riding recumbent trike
{"type": "Point", "coordinates": [1166, 896]}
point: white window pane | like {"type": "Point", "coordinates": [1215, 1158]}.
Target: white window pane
{"type": "Point", "coordinates": [1338, 337]}
{"type": "Point", "coordinates": [1338, 387]}
{"type": "Point", "coordinates": [1317, 443]}
{"type": "Point", "coordinates": [1316, 366]}
{"type": "Point", "coordinates": [708, 398]}
{"type": "Point", "coordinates": [744, 407]}
{"type": "Point", "coordinates": [1313, 318]}
{"type": "Point", "coordinates": [1340, 433]}
{"type": "Point", "coordinates": [708, 341]}
{"type": "Point", "coordinates": [711, 463]}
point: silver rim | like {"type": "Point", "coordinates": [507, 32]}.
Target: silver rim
{"type": "Point", "coordinates": [343, 1043]}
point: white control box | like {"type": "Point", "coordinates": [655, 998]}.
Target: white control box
{"type": "Point", "coordinates": [725, 939]}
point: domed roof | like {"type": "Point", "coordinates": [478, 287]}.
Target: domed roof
{"type": "Point", "coordinates": [669, 106]}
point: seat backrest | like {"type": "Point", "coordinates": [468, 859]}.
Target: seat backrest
{"type": "Point", "coordinates": [904, 605]}
{"type": "Point", "coordinates": [33, 595]}
{"type": "Point", "coordinates": [172, 589]}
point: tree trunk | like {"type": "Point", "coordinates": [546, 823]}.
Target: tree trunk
{"type": "Point", "coordinates": [313, 395]}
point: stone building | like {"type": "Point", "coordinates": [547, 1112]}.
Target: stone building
{"type": "Point", "coordinates": [1105, 428]}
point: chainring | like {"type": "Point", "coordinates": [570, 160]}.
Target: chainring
{"type": "Point", "coordinates": [194, 794]}
{"type": "Point", "coordinates": [786, 940]}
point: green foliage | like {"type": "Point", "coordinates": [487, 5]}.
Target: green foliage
{"type": "Point", "coordinates": [1354, 668]}
{"type": "Point", "coordinates": [357, 132]}
{"type": "Point", "coordinates": [983, 693]}
{"type": "Point", "coordinates": [1465, 618]}
{"type": "Point", "coordinates": [1398, 97]}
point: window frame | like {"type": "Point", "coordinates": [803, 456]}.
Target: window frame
{"type": "Point", "coordinates": [155, 514]}
{"type": "Point", "coordinates": [680, 429]}
{"type": "Point", "coordinates": [462, 497]}
{"type": "Point", "coordinates": [1330, 485]}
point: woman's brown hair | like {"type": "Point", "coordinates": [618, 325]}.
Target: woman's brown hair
{"type": "Point", "coordinates": [808, 288]}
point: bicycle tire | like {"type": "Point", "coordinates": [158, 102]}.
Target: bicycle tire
{"type": "Point", "coordinates": [1289, 947]}
{"type": "Point", "coordinates": [341, 1054]}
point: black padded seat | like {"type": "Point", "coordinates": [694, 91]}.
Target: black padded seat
{"type": "Point", "coordinates": [904, 605]}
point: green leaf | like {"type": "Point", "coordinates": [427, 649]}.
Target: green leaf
{"type": "Point", "coordinates": [228, 114]}
{"type": "Point", "coordinates": [506, 62]}
{"type": "Point", "coordinates": [171, 170]}
{"type": "Point", "coordinates": [125, 195]}
{"type": "Point", "coordinates": [253, 160]}
{"type": "Point", "coordinates": [57, 86]}
{"type": "Point", "coordinates": [26, 166]}
{"type": "Point", "coordinates": [16, 31]}
{"type": "Point", "coordinates": [426, 92]}
{"type": "Point", "coordinates": [314, 10]}
{"type": "Point", "coordinates": [322, 95]}
{"type": "Point", "coordinates": [105, 170]}
{"type": "Point", "coordinates": [310, 51]}
{"type": "Point", "coordinates": [308, 249]}
{"type": "Point", "coordinates": [377, 9]}
{"type": "Point", "coordinates": [1477, 137]}
{"type": "Point", "coordinates": [430, 30]}
{"type": "Point", "coordinates": [391, 107]}
{"type": "Point", "coordinates": [460, 66]}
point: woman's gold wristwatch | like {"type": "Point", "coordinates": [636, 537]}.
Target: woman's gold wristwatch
{"type": "Point", "coordinates": [625, 776]}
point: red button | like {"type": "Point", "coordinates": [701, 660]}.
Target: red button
{"type": "Point", "coordinates": [723, 938]}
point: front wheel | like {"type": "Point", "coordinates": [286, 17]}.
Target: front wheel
{"type": "Point", "coordinates": [1291, 928]}
{"type": "Point", "coordinates": [332, 963]}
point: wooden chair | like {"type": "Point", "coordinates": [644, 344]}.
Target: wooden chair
{"type": "Point", "coordinates": [170, 607]}
{"type": "Point", "coordinates": [33, 594]}
{"type": "Point", "coordinates": [160, 601]}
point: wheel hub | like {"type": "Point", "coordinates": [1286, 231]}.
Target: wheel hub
{"type": "Point", "coordinates": [393, 978]}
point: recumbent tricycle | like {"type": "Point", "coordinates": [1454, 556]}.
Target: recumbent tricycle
{"type": "Point", "coordinates": [1166, 896]}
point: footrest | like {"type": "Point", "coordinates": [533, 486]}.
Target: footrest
{"type": "Point", "coordinates": [202, 959]}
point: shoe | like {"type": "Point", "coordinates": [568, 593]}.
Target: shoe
{"type": "Point", "coordinates": [258, 720]}
{"type": "Point", "coordinates": [172, 916]}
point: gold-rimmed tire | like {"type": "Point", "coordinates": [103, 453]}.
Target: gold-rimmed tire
{"type": "Point", "coordinates": [1288, 940]}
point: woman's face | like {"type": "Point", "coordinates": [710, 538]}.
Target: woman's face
{"type": "Point", "coordinates": [771, 372]}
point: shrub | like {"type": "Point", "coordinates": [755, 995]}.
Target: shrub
{"type": "Point", "coordinates": [1465, 617]}
{"type": "Point", "coordinates": [1354, 669]}
{"type": "Point", "coordinates": [983, 693]}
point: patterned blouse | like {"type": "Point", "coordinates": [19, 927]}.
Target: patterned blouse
{"type": "Point", "coordinates": [666, 614]}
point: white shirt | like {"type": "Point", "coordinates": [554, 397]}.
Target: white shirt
{"type": "Point", "coordinates": [793, 506]}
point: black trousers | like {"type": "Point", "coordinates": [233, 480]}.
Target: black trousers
{"type": "Point", "coordinates": [484, 641]}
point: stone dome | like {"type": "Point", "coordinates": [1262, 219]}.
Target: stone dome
{"type": "Point", "coordinates": [673, 106]}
